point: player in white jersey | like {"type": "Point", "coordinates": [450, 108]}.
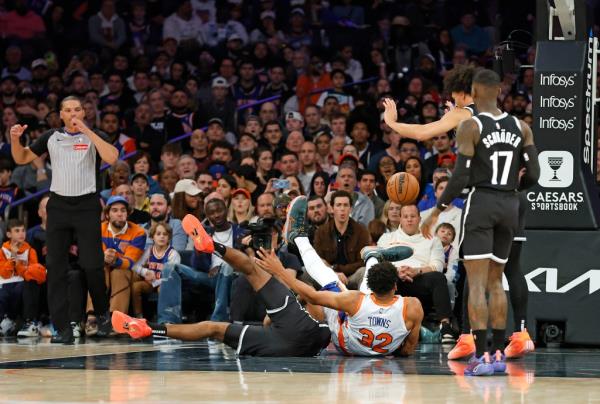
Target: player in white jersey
{"type": "Point", "coordinates": [376, 323]}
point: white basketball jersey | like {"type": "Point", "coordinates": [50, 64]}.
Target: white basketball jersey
{"type": "Point", "coordinates": [375, 328]}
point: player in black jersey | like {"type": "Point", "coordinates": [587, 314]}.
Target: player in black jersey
{"type": "Point", "coordinates": [291, 330]}
{"type": "Point", "coordinates": [458, 84]}
{"type": "Point", "coordinates": [493, 147]}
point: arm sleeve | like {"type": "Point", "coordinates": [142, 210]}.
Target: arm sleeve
{"type": "Point", "coordinates": [40, 146]}
{"type": "Point", "coordinates": [120, 32]}
{"type": "Point", "coordinates": [458, 181]}
{"type": "Point", "coordinates": [138, 267]}
{"type": "Point", "coordinates": [532, 167]}
{"type": "Point", "coordinates": [33, 258]}
{"type": "Point", "coordinates": [94, 31]}
{"type": "Point", "coordinates": [437, 258]}
{"type": "Point", "coordinates": [452, 264]}
{"type": "Point", "coordinates": [169, 29]}
{"type": "Point", "coordinates": [7, 267]}
{"type": "Point", "coordinates": [133, 252]}
{"type": "Point", "coordinates": [174, 257]}
{"type": "Point", "coordinates": [180, 239]}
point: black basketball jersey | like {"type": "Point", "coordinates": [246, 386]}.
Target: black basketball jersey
{"type": "Point", "coordinates": [497, 158]}
{"type": "Point", "coordinates": [471, 108]}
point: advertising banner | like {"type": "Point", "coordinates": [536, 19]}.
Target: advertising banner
{"type": "Point", "coordinates": [564, 282]}
{"type": "Point", "coordinates": [566, 196]}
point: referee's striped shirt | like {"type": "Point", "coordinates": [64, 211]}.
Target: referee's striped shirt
{"type": "Point", "coordinates": [75, 161]}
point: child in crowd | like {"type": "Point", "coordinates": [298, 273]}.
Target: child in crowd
{"type": "Point", "coordinates": [151, 263]}
{"type": "Point", "coordinates": [446, 233]}
{"type": "Point", "coordinates": [20, 278]}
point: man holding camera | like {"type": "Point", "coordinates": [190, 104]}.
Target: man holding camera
{"type": "Point", "coordinates": [207, 269]}
{"type": "Point", "coordinates": [246, 306]}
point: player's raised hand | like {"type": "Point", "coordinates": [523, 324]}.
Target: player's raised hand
{"type": "Point", "coordinates": [426, 227]}
{"type": "Point", "coordinates": [16, 131]}
{"type": "Point", "coordinates": [449, 107]}
{"type": "Point", "coordinates": [268, 261]}
{"type": "Point", "coordinates": [390, 114]}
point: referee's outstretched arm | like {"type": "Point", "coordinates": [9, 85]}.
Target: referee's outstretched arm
{"type": "Point", "coordinates": [21, 155]}
{"type": "Point", "coordinates": [24, 155]}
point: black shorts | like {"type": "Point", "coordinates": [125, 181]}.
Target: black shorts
{"type": "Point", "coordinates": [489, 223]}
{"type": "Point", "coordinates": [293, 332]}
{"type": "Point", "coordinates": [520, 233]}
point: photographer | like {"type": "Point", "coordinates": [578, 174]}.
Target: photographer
{"type": "Point", "coordinates": [246, 306]}
{"type": "Point", "coordinates": [206, 270]}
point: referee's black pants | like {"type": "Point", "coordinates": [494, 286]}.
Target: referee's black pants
{"type": "Point", "coordinates": [74, 218]}
{"type": "Point", "coordinates": [431, 288]}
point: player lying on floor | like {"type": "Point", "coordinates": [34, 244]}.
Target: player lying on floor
{"type": "Point", "coordinates": [377, 322]}
{"type": "Point", "coordinates": [292, 332]}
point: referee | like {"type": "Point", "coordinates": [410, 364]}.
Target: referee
{"type": "Point", "coordinates": [73, 209]}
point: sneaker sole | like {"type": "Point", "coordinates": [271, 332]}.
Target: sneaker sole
{"type": "Point", "coordinates": [194, 229]}
{"type": "Point", "coordinates": [529, 347]}
{"type": "Point", "coordinates": [289, 214]}
{"type": "Point", "coordinates": [458, 357]}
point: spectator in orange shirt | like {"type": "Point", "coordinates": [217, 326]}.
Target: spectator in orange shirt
{"type": "Point", "coordinates": [22, 276]}
{"type": "Point", "coordinates": [315, 78]}
{"type": "Point", "coordinates": [123, 244]}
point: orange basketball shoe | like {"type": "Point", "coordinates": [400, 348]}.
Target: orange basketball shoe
{"type": "Point", "coordinates": [135, 327]}
{"type": "Point", "coordinates": [464, 348]}
{"type": "Point", "coordinates": [520, 344]}
{"type": "Point", "coordinates": [202, 241]}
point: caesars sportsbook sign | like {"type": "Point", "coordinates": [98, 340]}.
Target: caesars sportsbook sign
{"type": "Point", "coordinates": [566, 196]}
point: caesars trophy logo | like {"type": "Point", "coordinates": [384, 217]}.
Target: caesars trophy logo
{"type": "Point", "coordinates": [556, 169]}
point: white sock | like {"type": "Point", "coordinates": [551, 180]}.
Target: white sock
{"type": "Point", "coordinates": [363, 286]}
{"type": "Point", "coordinates": [313, 264]}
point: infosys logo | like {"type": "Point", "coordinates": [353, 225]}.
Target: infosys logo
{"type": "Point", "coordinates": [556, 80]}
{"type": "Point", "coordinates": [557, 124]}
{"type": "Point", "coordinates": [557, 102]}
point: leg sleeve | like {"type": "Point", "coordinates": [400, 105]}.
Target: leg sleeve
{"type": "Point", "coordinates": [314, 265]}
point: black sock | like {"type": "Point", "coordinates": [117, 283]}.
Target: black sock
{"type": "Point", "coordinates": [480, 342]}
{"type": "Point", "coordinates": [520, 324]}
{"type": "Point", "coordinates": [158, 329]}
{"type": "Point", "coordinates": [220, 249]}
{"type": "Point", "coordinates": [498, 339]}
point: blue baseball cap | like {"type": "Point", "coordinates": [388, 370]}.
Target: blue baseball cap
{"type": "Point", "coordinates": [117, 199]}
{"type": "Point", "coordinates": [217, 170]}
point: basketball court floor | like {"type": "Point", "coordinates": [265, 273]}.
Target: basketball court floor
{"type": "Point", "coordinates": [119, 370]}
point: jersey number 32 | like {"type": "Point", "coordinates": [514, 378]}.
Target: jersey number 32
{"type": "Point", "coordinates": [369, 339]}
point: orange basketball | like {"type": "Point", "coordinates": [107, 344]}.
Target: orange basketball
{"type": "Point", "coordinates": [403, 188]}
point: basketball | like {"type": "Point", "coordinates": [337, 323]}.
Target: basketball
{"type": "Point", "coordinates": [403, 188]}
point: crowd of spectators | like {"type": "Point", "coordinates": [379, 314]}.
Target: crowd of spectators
{"type": "Point", "coordinates": [227, 110]}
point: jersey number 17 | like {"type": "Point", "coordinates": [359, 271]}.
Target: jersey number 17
{"type": "Point", "coordinates": [508, 156]}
